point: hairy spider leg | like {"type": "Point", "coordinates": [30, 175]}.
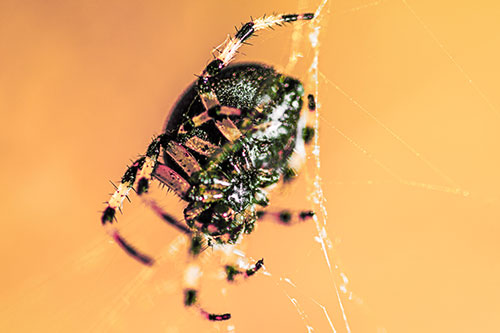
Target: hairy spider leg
{"type": "Point", "coordinates": [182, 157]}
{"type": "Point", "coordinates": [215, 317]}
{"type": "Point", "coordinates": [307, 134]}
{"type": "Point", "coordinates": [166, 216]}
{"type": "Point", "coordinates": [141, 172]}
{"type": "Point", "coordinates": [132, 250]}
{"type": "Point", "coordinates": [213, 109]}
{"type": "Point", "coordinates": [191, 293]}
{"type": "Point", "coordinates": [231, 45]}
{"type": "Point", "coordinates": [167, 176]}
{"type": "Point", "coordinates": [188, 163]}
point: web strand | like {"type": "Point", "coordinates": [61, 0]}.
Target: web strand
{"type": "Point", "coordinates": [467, 77]}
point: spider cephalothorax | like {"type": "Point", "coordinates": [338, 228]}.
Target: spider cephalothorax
{"type": "Point", "coordinates": [229, 137]}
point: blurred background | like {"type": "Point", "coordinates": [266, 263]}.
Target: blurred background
{"type": "Point", "coordinates": [409, 127]}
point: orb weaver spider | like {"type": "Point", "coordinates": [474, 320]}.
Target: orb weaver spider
{"type": "Point", "coordinates": [229, 137]}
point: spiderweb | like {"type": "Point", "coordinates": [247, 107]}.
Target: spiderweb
{"type": "Point", "coordinates": [380, 255]}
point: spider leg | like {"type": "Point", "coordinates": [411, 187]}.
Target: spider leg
{"type": "Point", "coordinates": [191, 281]}
{"type": "Point", "coordinates": [231, 45]}
{"type": "Point", "coordinates": [182, 157]}
{"type": "Point", "coordinates": [229, 48]}
{"type": "Point", "coordinates": [308, 131]}
{"type": "Point", "coordinates": [172, 179]}
{"type": "Point", "coordinates": [285, 216]}
{"type": "Point", "coordinates": [140, 171]}
{"type": "Point", "coordinates": [232, 271]}
{"type": "Point", "coordinates": [151, 203]}
{"type": "Point", "coordinates": [130, 249]}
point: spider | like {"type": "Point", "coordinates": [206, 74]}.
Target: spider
{"type": "Point", "coordinates": [230, 137]}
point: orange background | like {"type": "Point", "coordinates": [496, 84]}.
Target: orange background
{"type": "Point", "coordinates": [409, 133]}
